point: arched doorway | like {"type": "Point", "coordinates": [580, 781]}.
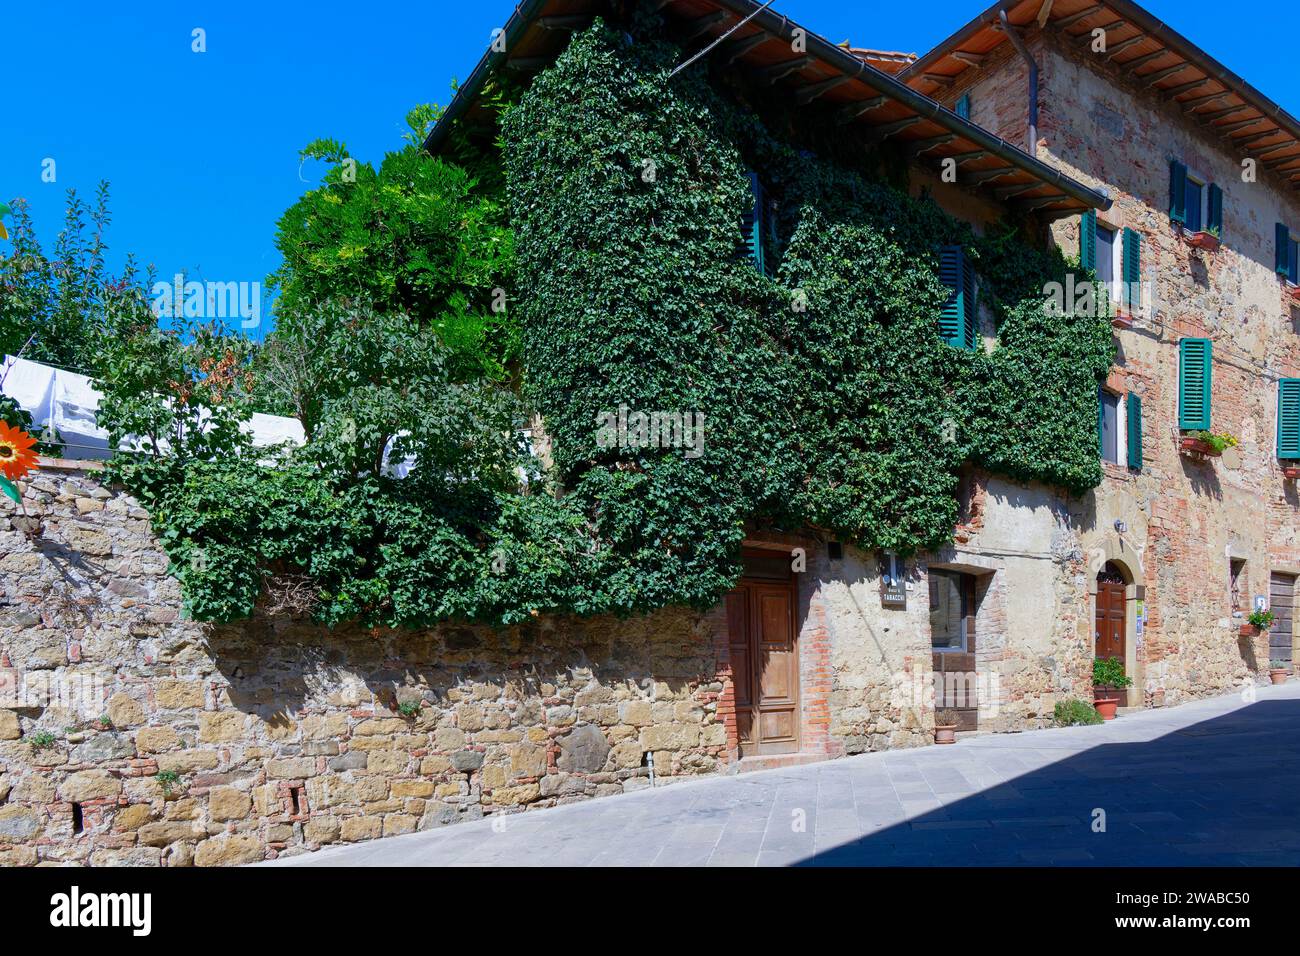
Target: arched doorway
{"type": "Point", "coordinates": [1112, 612]}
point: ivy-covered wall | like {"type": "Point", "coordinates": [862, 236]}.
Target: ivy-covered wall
{"type": "Point", "coordinates": [828, 396]}
{"type": "Point", "coordinates": [815, 394]}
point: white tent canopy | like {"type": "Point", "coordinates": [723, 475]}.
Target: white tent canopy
{"type": "Point", "coordinates": [66, 402]}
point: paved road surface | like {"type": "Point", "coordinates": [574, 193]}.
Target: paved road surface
{"type": "Point", "coordinates": [1209, 783]}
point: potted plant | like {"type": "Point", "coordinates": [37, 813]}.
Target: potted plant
{"type": "Point", "coordinates": [1279, 671]}
{"type": "Point", "coordinates": [1108, 679]}
{"type": "Point", "coordinates": [945, 726]}
{"type": "Point", "coordinates": [1207, 239]}
{"type": "Point", "coordinates": [1291, 470]}
{"type": "Point", "coordinates": [1208, 443]}
{"type": "Point", "coordinates": [1259, 621]}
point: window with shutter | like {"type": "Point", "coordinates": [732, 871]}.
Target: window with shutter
{"type": "Point", "coordinates": [1288, 418]}
{"type": "Point", "coordinates": [1088, 240]}
{"type": "Point", "coordinates": [754, 223]}
{"type": "Point", "coordinates": [1194, 384]}
{"type": "Point", "coordinates": [1177, 191]}
{"type": "Point", "coordinates": [1284, 244]}
{"type": "Point", "coordinates": [1214, 216]}
{"type": "Point", "coordinates": [1108, 425]}
{"type": "Point", "coordinates": [1134, 403]}
{"type": "Point", "coordinates": [1132, 291]}
{"type": "Point", "coordinates": [957, 318]}
{"type": "Point", "coordinates": [962, 108]}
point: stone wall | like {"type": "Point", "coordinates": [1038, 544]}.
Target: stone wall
{"type": "Point", "coordinates": [129, 736]}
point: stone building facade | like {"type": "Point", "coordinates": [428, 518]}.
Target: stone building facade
{"type": "Point", "coordinates": [131, 736]}
{"type": "Point", "coordinates": [1198, 540]}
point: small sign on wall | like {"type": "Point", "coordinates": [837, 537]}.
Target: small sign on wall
{"type": "Point", "coordinates": [893, 589]}
{"type": "Point", "coordinates": [1261, 602]}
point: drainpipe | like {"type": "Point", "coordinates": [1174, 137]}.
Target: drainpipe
{"type": "Point", "coordinates": [1023, 50]}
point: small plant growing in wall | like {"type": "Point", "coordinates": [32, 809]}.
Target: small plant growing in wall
{"type": "Point", "coordinates": [408, 708]}
{"type": "Point", "coordinates": [41, 740]}
{"type": "Point", "coordinates": [1074, 713]}
{"type": "Point", "coordinates": [167, 779]}
{"type": "Point", "coordinates": [104, 722]}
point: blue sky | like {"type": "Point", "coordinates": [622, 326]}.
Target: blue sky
{"type": "Point", "coordinates": [201, 149]}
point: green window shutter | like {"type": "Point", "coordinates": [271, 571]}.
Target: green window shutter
{"type": "Point", "coordinates": [1134, 404]}
{"type": "Point", "coordinates": [1088, 240]}
{"type": "Point", "coordinates": [1288, 418]}
{"type": "Point", "coordinates": [1283, 250]}
{"type": "Point", "coordinates": [1215, 225]}
{"type": "Point", "coordinates": [962, 108]}
{"type": "Point", "coordinates": [753, 224]}
{"type": "Point", "coordinates": [958, 318]}
{"type": "Point", "coordinates": [1132, 256]}
{"type": "Point", "coordinates": [1194, 384]}
{"type": "Point", "coordinates": [1177, 191]}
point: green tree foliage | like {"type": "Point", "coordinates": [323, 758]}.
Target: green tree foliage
{"type": "Point", "coordinates": [63, 310]}
{"type": "Point", "coordinates": [414, 237]}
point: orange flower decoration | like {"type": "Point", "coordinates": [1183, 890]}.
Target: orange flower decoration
{"type": "Point", "coordinates": [16, 455]}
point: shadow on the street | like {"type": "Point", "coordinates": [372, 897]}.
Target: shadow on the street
{"type": "Point", "coordinates": [1223, 792]}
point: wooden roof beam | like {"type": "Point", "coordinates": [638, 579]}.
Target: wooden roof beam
{"type": "Point", "coordinates": [1220, 114]}
{"type": "Point", "coordinates": [925, 145]}
{"type": "Point", "coordinates": [1086, 37]}
{"type": "Point", "coordinates": [970, 59]}
{"type": "Point", "coordinates": [1123, 45]}
{"type": "Point", "coordinates": [985, 175]}
{"type": "Point", "coordinates": [1006, 192]}
{"type": "Point", "coordinates": [702, 25]}
{"type": "Point", "coordinates": [1067, 22]}
{"type": "Point", "coordinates": [938, 79]}
{"type": "Point", "coordinates": [1140, 61]}
{"type": "Point", "coordinates": [1242, 124]}
{"type": "Point", "coordinates": [736, 49]}
{"type": "Point", "coordinates": [968, 157]}
{"type": "Point", "coordinates": [850, 112]}
{"type": "Point", "coordinates": [1198, 101]}
{"type": "Point", "coordinates": [1040, 201]}
{"type": "Point", "coordinates": [809, 93]}
{"type": "Point", "coordinates": [886, 130]}
{"type": "Point", "coordinates": [1270, 150]}
{"type": "Point", "coordinates": [1153, 78]}
{"type": "Point", "coordinates": [577, 22]}
{"type": "Point", "coordinates": [779, 70]}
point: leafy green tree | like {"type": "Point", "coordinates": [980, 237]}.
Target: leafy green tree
{"type": "Point", "coordinates": [414, 237]}
{"type": "Point", "coordinates": [65, 310]}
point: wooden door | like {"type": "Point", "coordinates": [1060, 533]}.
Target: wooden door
{"type": "Point", "coordinates": [1281, 601]}
{"type": "Point", "coordinates": [952, 611]}
{"type": "Point", "coordinates": [765, 665]}
{"type": "Point", "coordinates": [1110, 615]}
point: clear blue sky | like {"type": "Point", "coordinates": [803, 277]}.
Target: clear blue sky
{"type": "Point", "coordinates": [201, 149]}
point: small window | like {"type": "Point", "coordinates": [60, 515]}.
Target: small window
{"type": "Point", "coordinates": [1236, 581]}
{"type": "Point", "coordinates": [962, 108]}
{"type": "Point", "coordinates": [1108, 425]}
{"type": "Point", "coordinates": [1106, 259]}
{"type": "Point", "coordinates": [1288, 255]}
{"type": "Point", "coordinates": [1293, 261]}
{"type": "Point", "coordinates": [1195, 204]}
{"type": "Point", "coordinates": [952, 610]}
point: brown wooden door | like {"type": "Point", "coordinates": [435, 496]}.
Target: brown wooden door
{"type": "Point", "coordinates": [1281, 601]}
{"type": "Point", "coordinates": [952, 619]}
{"type": "Point", "coordinates": [1110, 619]}
{"type": "Point", "coordinates": [765, 666]}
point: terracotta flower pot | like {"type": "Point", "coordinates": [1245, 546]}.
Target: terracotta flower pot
{"type": "Point", "coordinates": [1106, 701]}
{"type": "Point", "coordinates": [1189, 444]}
{"type": "Point", "coordinates": [1291, 472]}
{"type": "Point", "coordinates": [1248, 630]}
{"type": "Point", "coordinates": [1278, 676]}
{"type": "Point", "coordinates": [1121, 320]}
{"type": "Point", "coordinates": [1204, 240]}
{"type": "Point", "coordinates": [945, 735]}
